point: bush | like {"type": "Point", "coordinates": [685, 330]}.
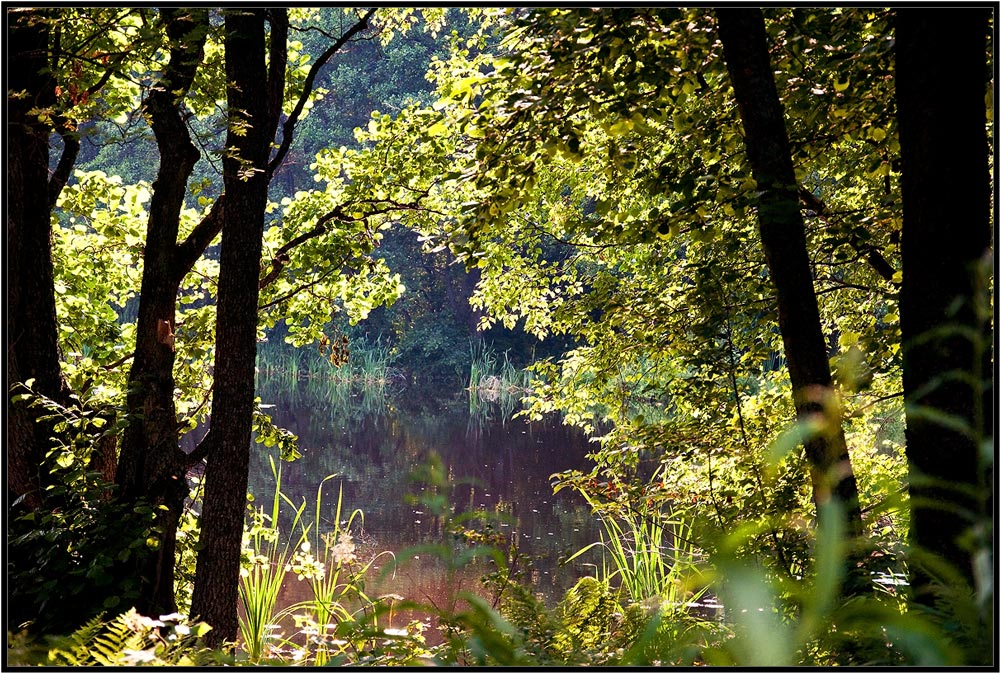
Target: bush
{"type": "Point", "coordinates": [435, 349]}
{"type": "Point", "coordinates": [62, 557]}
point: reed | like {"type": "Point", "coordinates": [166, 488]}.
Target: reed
{"type": "Point", "coordinates": [342, 400]}
{"type": "Point", "coordinates": [367, 363]}
{"type": "Point", "coordinates": [339, 617]}
{"type": "Point", "coordinates": [495, 384]}
{"type": "Point", "coordinates": [493, 373]}
{"type": "Point", "coordinates": [649, 555]}
{"type": "Point", "coordinates": [339, 613]}
{"type": "Point", "coordinates": [261, 582]}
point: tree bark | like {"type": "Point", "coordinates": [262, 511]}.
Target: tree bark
{"type": "Point", "coordinates": [782, 234]}
{"type": "Point", "coordinates": [152, 466]}
{"type": "Point", "coordinates": [32, 337]}
{"type": "Point", "coordinates": [252, 124]}
{"type": "Point", "coordinates": [941, 78]}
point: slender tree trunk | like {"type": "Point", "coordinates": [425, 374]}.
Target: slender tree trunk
{"type": "Point", "coordinates": [941, 77]}
{"type": "Point", "coordinates": [467, 282]}
{"type": "Point", "coordinates": [32, 337]}
{"type": "Point", "coordinates": [782, 234]}
{"type": "Point", "coordinates": [251, 127]}
{"type": "Point", "coordinates": [152, 466]}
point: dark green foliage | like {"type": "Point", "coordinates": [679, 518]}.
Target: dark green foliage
{"type": "Point", "coordinates": [63, 558]}
{"type": "Point", "coordinates": [585, 628]}
{"type": "Point", "coordinates": [437, 350]}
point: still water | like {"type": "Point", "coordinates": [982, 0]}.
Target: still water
{"type": "Point", "coordinates": [374, 441]}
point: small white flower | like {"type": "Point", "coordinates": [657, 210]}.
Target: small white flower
{"type": "Point", "coordinates": [137, 622]}
{"type": "Point", "coordinates": [133, 657]}
{"type": "Point", "coordinates": [343, 551]}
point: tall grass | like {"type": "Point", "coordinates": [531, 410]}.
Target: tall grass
{"type": "Point", "coordinates": [493, 373]}
{"type": "Point", "coordinates": [367, 363]}
{"type": "Point", "coordinates": [495, 384]}
{"type": "Point", "coordinates": [650, 555]}
{"type": "Point", "coordinates": [338, 619]}
{"type": "Point", "coordinates": [261, 583]}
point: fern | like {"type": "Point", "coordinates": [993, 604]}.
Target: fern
{"type": "Point", "coordinates": [120, 637]}
{"type": "Point", "coordinates": [588, 615]}
{"type": "Point", "coordinates": [586, 627]}
{"type": "Point", "coordinates": [73, 650]}
{"type": "Point", "coordinates": [127, 640]}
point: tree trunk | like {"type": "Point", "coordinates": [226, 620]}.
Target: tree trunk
{"type": "Point", "coordinates": [941, 77]}
{"type": "Point", "coordinates": [782, 234]}
{"type": "Point", "coordinates": [152, 466]}
{"type": "Point", "coordinates": [32, 337]}
{"type": "Point", "coordinates": [251, 128]}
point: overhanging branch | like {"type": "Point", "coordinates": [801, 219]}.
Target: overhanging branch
{"type": "Point", "coordinates": [872, 254]}
{"type": "Point", "coordinates": [288, 128]}
{"type": "Point", "coordinates": [382, 206]}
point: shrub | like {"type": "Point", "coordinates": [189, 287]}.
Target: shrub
{"type": "Point", "coordinates": [62, 557]}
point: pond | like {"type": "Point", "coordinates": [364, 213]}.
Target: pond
{"type": "Point", "coordinates": [374, 442]}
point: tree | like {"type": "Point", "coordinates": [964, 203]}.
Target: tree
{"type": "Point", "coordinates": [151, 465]}
{"type": "Point", "coordinates": [32, 348]}
{"type": "Point", "coordinates": [783, 237]}
{"type": "Point", "coordinates": [946, 247]}
{"type": "Point", "coordinates": [65, 58]}
{"type": "Point", "coordinates": [172, 343]}
{"type": "Point", "coordinates": [255, 91]}
{"type": "Point", "coordinates": [610, 135]}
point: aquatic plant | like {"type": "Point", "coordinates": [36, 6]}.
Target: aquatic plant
{"type": "Point", "coordinates": [495, 385]}
{"type": "Point", "coordinates": [650, 554]}
{"type": "Point", "coordinates": [359, 361]}
{"type": "Point", "coordinates": [335, 620]}
{"type": "Point", "coordinates": [265, 566]}
{"type": "Point", "coordinates": [492, 373]}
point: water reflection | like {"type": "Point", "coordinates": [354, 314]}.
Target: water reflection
{"type": "Point", "coordinates": [374, 440]}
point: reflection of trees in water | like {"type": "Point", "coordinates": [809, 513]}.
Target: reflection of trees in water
{"type": "Point", "coordinates": [498, 466]}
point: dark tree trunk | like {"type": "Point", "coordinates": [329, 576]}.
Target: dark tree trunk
{"type": "Point", "coordinates": [468, 279]}
{"type": "Point", "coordinates": [32, 338]}
{"type": "Point", "coordinates": [252, 123]}
{"type": "Point", "coordinates": [941, 78]}
{"type": "Point", "coordinates": [152, 466]}
{"type": "Point", "coordinates": [782, 234]}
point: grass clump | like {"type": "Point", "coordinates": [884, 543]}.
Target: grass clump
{"type": "Point", "coordinates": [355, 362]}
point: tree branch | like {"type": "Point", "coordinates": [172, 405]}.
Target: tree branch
{"type": "Point", "coordinates": [288, 128]}
{"type": "Point", "coordinates": [71, 149]}
{"type": "Point", "coordinates": [71, 141]}
{"type": "Point", "coordinates": [202, 451]}
{"type": "Point", "coordinates": [872, 254]}
{"type": "Point", "coordinates": [188, 252]}
{"type": "Point", "coordinates": [857, 413]}
{"type": "Point", "coordinates": [281, 259]}
{"type": "Point", "coordinates": [333, 268]}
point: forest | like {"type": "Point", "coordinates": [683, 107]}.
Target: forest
{"type": "Point", "coordinates": [742, 257]}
